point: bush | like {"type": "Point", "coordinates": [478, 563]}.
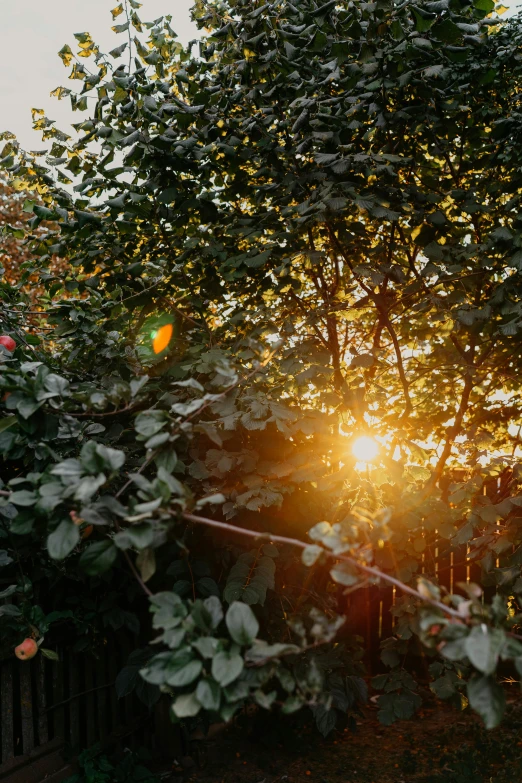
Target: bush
{"type": "Point", "coordinates": [290, 303]}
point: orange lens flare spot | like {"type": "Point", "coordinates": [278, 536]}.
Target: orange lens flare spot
{"type": "Point", "coordinates": [162, 338]}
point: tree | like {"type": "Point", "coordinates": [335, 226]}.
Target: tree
{"type": "Point", "coordinates": [319, 213]}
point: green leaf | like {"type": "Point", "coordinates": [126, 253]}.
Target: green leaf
{"type": "Point", "coordinates": [208, 694]}
{"type": "Point", "coordinates": [183, 669]}
{"type": "Point", "coordinates": [63, 540]}
{"type": "Point", "coordinates": [168, 609]}
{"type": "Point", "coordinates": [447, 31]}
{"type": "Point", "coordinates": [7, 422]}
{"type": "Point", "coordinates": [423, 19]}
{"type": "Point", "coordinates": [483, 647]}
{"type": "Point", "coordinates": [186, 706]}
{"type": "Point", "coordinates": [325, 719]}
{"type": "Point", "coordinates": [226, 667]}
{"type": "Point", "coordinates": [23, 498]}
{"type": "Point", "coordinates": [241, 623]}
{"type": "Point", "coordinates": [50, 654]}
{"type": "Point", "coordinates": [206, 646]}
{"type": "Point", "coordinates": [146, 563]}
{"type": "Point", "coordinates": [487, 698]}
{"type": "Point", "coordinates": [98, 558]}
{"type": "Point", "coordinates": [250, 578]}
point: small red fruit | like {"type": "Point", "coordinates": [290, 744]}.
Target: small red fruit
{"type": "Point", "coordinates": [7, 342]}
{"type": "Point", "coordinates": [26, 650]}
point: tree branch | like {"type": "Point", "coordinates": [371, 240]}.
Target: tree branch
{"type": "Point", "coordinates": [370, 570]}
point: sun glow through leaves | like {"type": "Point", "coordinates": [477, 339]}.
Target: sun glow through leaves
{"type": "Point", "coordinates": [365, 449]}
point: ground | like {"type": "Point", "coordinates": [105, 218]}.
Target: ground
{"type": "Point", "coordinates": [440, 745]}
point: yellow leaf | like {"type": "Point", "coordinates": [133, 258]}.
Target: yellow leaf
{"type": "Point", "coordinates": [66, 55]}
{"type": "Point", "coordinates": [117, 11]}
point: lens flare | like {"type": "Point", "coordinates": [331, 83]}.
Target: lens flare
{"type": "Point", "coordinates": [161, 338]}
{"type": "Point", "coordinates": [365, 449]}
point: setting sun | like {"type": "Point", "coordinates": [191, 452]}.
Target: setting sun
{"type": "Point", "coordinates": [365, 449]}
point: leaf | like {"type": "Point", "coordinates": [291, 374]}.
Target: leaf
{"type": "Point", "coordinates": [120, 28]}
{"type": "Point", "coordinates": [423, 19]}
{"type": "Point", "coordinates": [261, 651]}
{"type": "Point", "coordinates": [483, 647]}
{"type": "Point", "coordinates": [213, 606]}
{"type": "Point", "coordinates": [7, 422]}
{"type": "Point", "coordinates": [56, 385]}
{"type": "Point", "coordinates": [98, 558]}
{"type": "Point", "coordinates": [487, 698]}
{"type": "Point", "coordinates": [50, 654]}
{"type": "Point", "coordinates": [345, 574]}
{"type": "Point", "coordinates": [250, 578]}
{"type": "Point", "coordinates": [183, 669]}
{"type": "Point", "coordinates": [447, 31]}
{"type": "Point", "coordinates": [226, 667]}
{"type": "Point", "coordinates": [9, 610]}
{"type": "Point", "coordinates": [325, 719]}
{"type": "Point", "coordinates": [63, 540]}
{"type": "Point", "coordinates": [146, 563]}
{"type": "Point", "coordinates": [66, 55]}
{"type": "Point", "coordinates": [241, 623]}
{"type": "Point", "coordinates": [24, 498]}
{"type": "Point", "coordinates": [208, 694]}
{"type": "Point", "coordinates": [5, 558]}
{"type": "Point", "coordinates": [362, 360]}
{"type": "Point", "coordinates": [311, 554]}
{"type": "Point", "coordinates": [186, 706]}
{"type": "Point", "coordinates": [206, 646]}
{"type": "Point", "coordinates": [127, 680]}
{"type": "Point", "coordinates": [169, 610]}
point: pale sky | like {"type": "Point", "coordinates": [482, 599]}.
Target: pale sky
{"type": "Point", "coordinates": [32, 32]}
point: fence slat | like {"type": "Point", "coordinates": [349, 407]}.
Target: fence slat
{"type": "Point", "coordinates": [113, 668]}
{"type": "Point", "coordinates": [6, 696]}
{"type": "Point", "coordinates": [74, 705]}
{"type": "Point", "coordinates": [41, 677]}
{"type": "Point", "coordinates": [102, 695]}
{"type": "Point", "coordinates": [58, 715]}
{"type": "Point", "coordinates": [90, 698]}
{"type": "Point", "coordinates": [387, 618]}
{"type": "Point", "coordinates": [26, 707]}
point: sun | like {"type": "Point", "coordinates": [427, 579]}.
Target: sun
{"type": "Point", "coordinates": [365, 449]}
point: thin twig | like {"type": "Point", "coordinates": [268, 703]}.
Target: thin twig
{"type": "Point", "coordinates": [77, 696]}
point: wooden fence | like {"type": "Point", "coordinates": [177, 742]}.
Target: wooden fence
{"type": "Point", "coordinates": [51, 709]}
{"type": "Point", "coordinates": [368, 609]}
{"type": "Point", "coordinates": [56, 708]}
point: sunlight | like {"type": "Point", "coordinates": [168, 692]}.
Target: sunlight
{"type": "Point", "coordinates": [365, 449]}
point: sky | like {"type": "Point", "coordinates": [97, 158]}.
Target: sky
{"type": "Point", "coordinates": [32, 32]}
